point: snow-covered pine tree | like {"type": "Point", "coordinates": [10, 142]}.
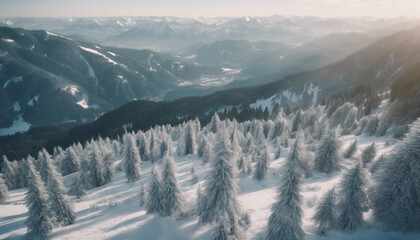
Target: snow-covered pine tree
{"type": "Point", "coordinates": [153, 156]}
{"type": "Point", "coordinates": [326, 213]}
{"type": "Point", "coordinates": [144, 147]}
{"type": "Point", "coordinates": [85, 175]}
{"type": "Point", "coordinates": [189, 141]}
{"type": "Point", "coordinates": [70, 163]}
{"type": "Point", "coordinates": [201, 145]}
{"type": "Point", "coordinates": [243, 164]}
{"type": "Point", "coordinates": [297, 121]}
{"type": "Point", "coordinates": [368, 154]}
{"type": "Point", "coordinates": [352, 149]}
{"type": "Point", "coordinates": [155, 202]}
{"type": "Point", "coordinates": [39, 222]}
{"type": "Point", "coordinates": [109, 166]}
{"type": "Point", "coordinates": [277, 129]}
{"type": "Point", "coordinates": [286, 216]}
{"type": "Point", "coordinates": [236, 147]}
{"type": "Point", "coordinates": [97, 169]}
{"type": "Point", "coordinates": [223, 230]}
{"type": "Point", "coordinates": [220, 195]}
{"type": "Point", "coordinates": [194, 177]}
{"type": "Point", "coordinates": [298, 155]}
{"type": "Point", "coordinates": [263, 164]}
{"type": "Point", "coordinates": [395, 197]}
{"type": "Point", "coordinates": [215, 123]}
{"type": "Point", "coordinates": [9, 174]}
{"type": "Point", "coordinates": [371, 126]}
{"type": "Point", "coordinates": [143, 196]}
{"type": "Point", "coordinates": [328, 156]}
{"type": "Point", "coordinates": [353, 199]}
{"type": "Point", "coordinates": [44, 164]}
{"type": "Point", "coordinates": [165, 147]}
{"type": "Point", "coordinates": [59, 202]}
{"type": "Point", "coordinates": [4, 195]}
{"type": "Point", "coordinates": [77, 188]}
{"type": "Point", "coordinates": [171, 190]}
{"type": "Point", "coordinates": [207, 153]}
{"type": "Point", "coordinates": [131, 162]}
{"type": "Point", "coordinates": [378, 165]}
{"type": "Point", "coordinates": [21, 173]}
{"type": "Point", "coordinates": [258, 133]}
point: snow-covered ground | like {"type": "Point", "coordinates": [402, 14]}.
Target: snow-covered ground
{"type": "Point", "coordinates": [113, 212]}
{"type": "Point", "coordinates": [18, 125]}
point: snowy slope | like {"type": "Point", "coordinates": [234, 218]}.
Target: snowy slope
{"type": "Point", "coordinates": [112, 211]}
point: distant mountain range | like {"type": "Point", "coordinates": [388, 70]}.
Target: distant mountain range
{"type": "Point", "coordinates": [390, 63]}
{"type": "Point", "coordinates": [173, 33]}
{"type": "Point", "coordinates": [50, 79]}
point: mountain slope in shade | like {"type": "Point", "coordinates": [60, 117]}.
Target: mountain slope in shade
{"type": "Point", "coordinates": [50, 79]}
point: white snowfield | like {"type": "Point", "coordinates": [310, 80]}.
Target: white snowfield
{"type": "Point", "coordinates": [113, 212]}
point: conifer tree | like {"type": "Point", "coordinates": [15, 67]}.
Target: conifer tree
{"type": "Point", "coordinates": [215, 123]}
{"type": "Point", "coordinates": [278, 128]}
{"type": "Point", "coordinates": [153, 146]}
{"type": "Point", "coordinates": [189, 141]}
{"type": "Point", "coordinates": [353, 199]}
{"type": "Point", "coordinates": [201, 145]}
{"type": "Point", "coordinates": [250, 145]}
{"type": "Point", "coordinates": [297, 121]}
{"type": "Point", "coordinates": [85, 174]}
{"type": "Point", "coordinates": [328, 157]}
{"type": "Point", "coordinates": [243, 164]}
{"type": "Point", "coordinates": [368, 154]}
{"type": "Point", "coordinates": [395, 197]}
{"type": "Point", "coordinates": [97, 169]}
{"type": "Point", "coordinates": [170, 189]}
{"type": "Point", "coordinates": [223, 230]}
{"type": "Point", "coordinates": [207, 153]}
{"type": "Point", "coordinates": [4, 195]}
{"type": "Point", "coordinates": [21, 173]}
{"type": "Point", "coordinates": [9, 174]}
{"type": "Point", "coordinates": [299, 155]}
{"type": "Point", "coordinates": [155, 202]}
{"type": "Point", "coordinates": [236, 147]}
{"type": "Point", "coordinates": [326, 213]}
{"type": "Point", "coordinates": [108, 164]}
{"type": "Point", "coordinates": [165, 147]}
{"type": "Point", "coordinates": [59, 202]}
{"type": "Point", "coordinates": [286, 216]}
{"type": "Point", "coordinates": [39, 222]}
{"type": "Point", "coordinates": [378, 165]}
{"type": "Point", "coordinates": [220, 195]}
{"type": "Point", "coordinates": [143, 196]}
{"type": "Point", "coordinates": [70, 163]}
{"type": "Point", "coordinates": [352, 149]}
{"type": "Point", "coordinates": [144, 147]}
{"type": "Point", "coordinates": [131, 162]}
{"type": "Point", "coordinates": [78, 188]}
{"type": "Point", "coordinates": [262, 164]}
{"type": "Point", "coordinates": [44, 164]}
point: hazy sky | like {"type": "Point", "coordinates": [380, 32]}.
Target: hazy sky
{"type": "Point", "coordinates": [209, 8]}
